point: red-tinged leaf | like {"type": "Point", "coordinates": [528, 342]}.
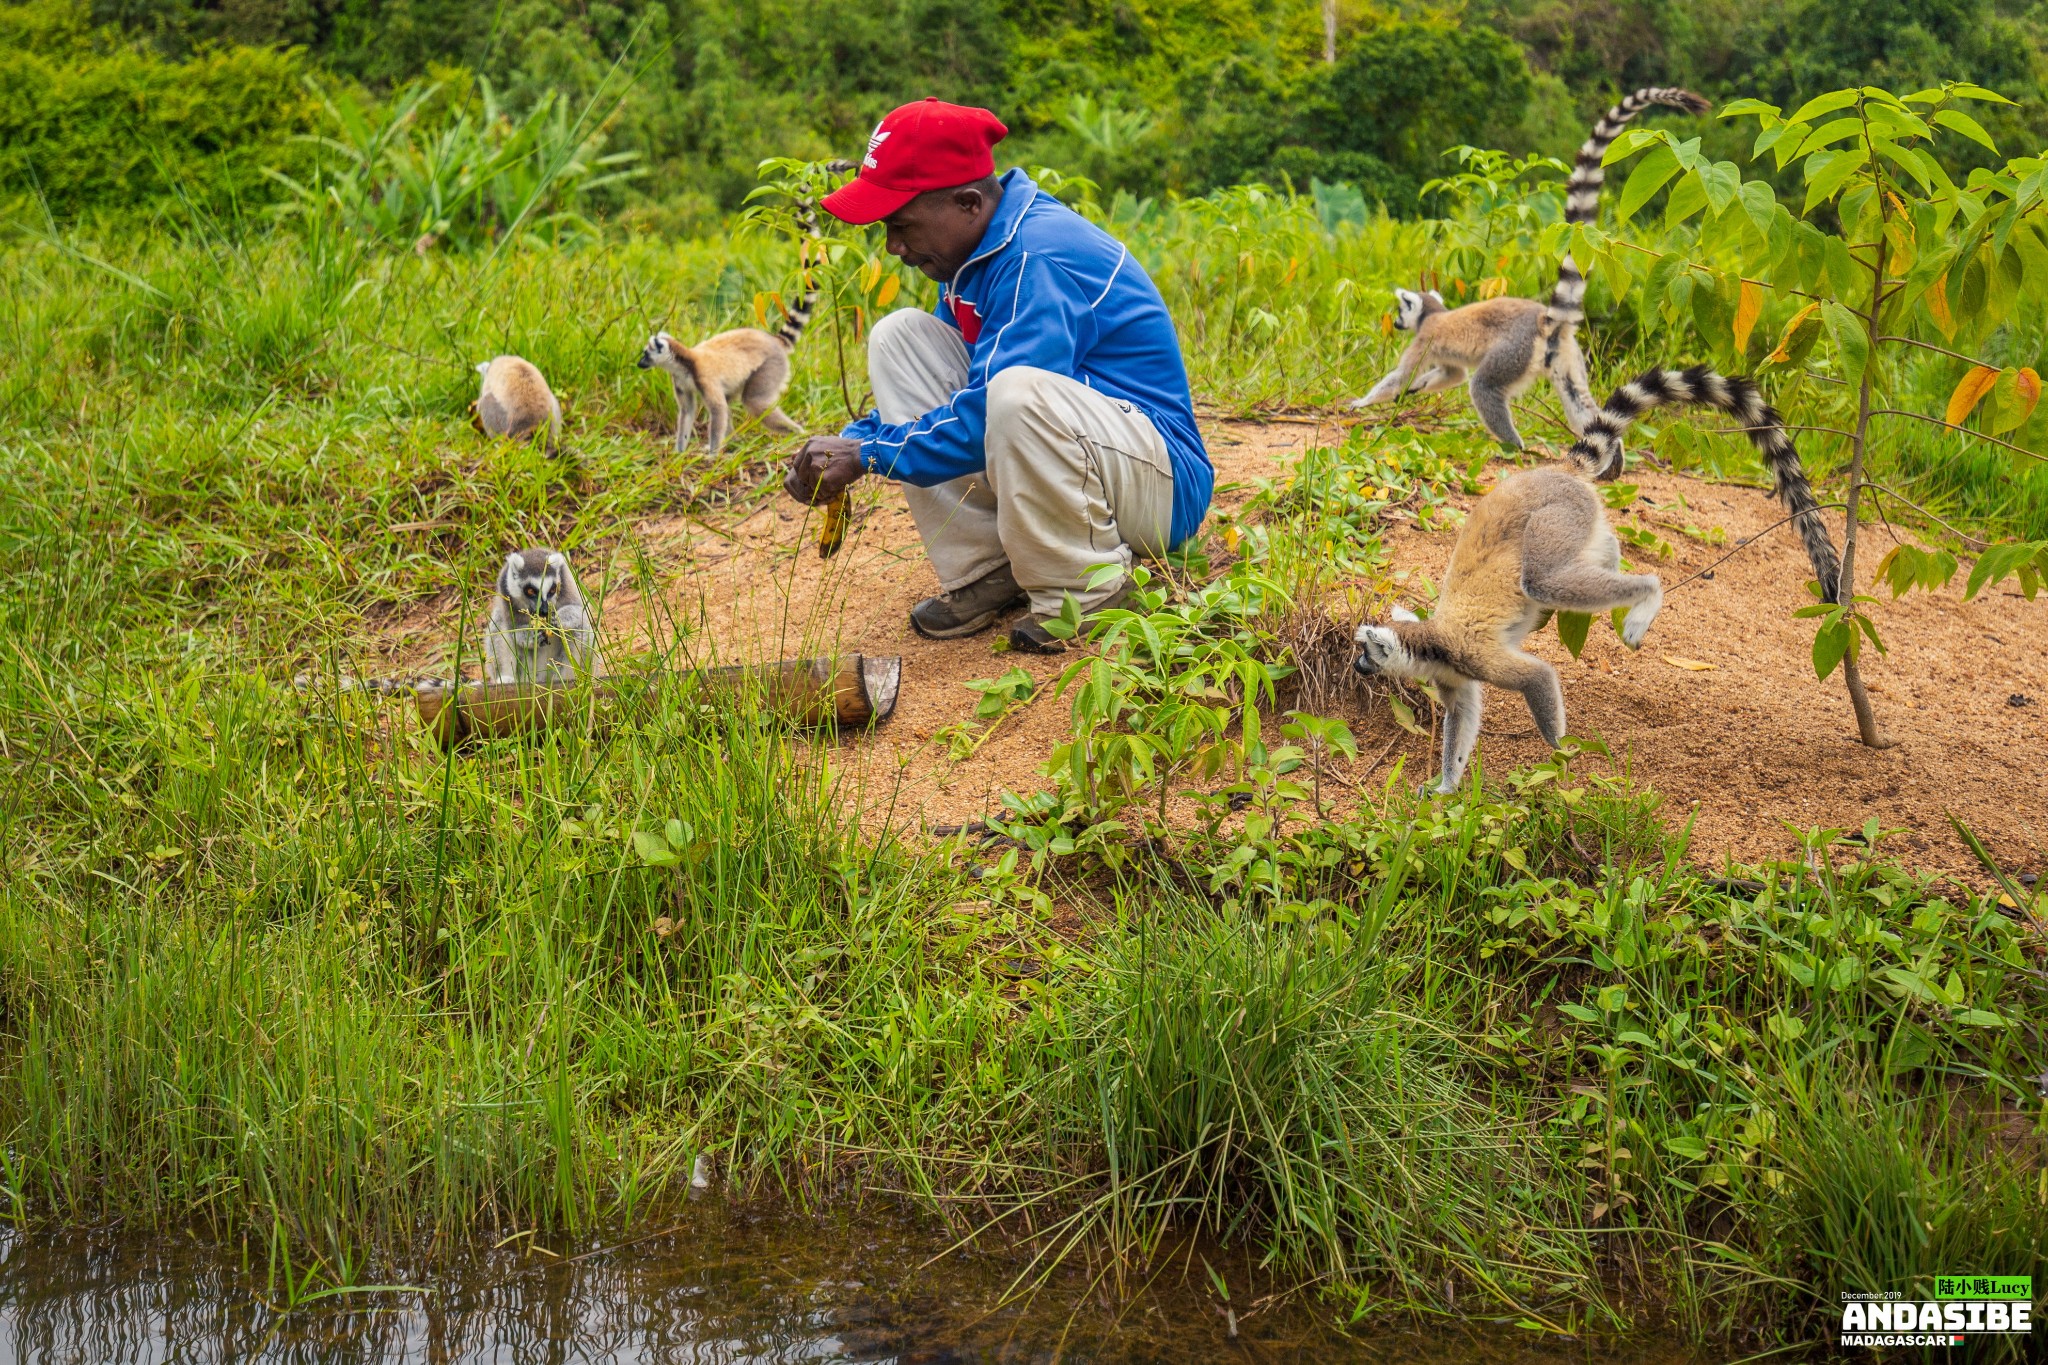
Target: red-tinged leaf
{"type": "Point", "coordinates": [1969, 393]}
{"type": "Point", "coordinates": [2013, 398]}
{"type": "Point", "coordinates": [1748, 304]}
{"type": "Point", "coordinates": [1936, 299]}
{"type": "Point", "coordinates": [1805, 317]}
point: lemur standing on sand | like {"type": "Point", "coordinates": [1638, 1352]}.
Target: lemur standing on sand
{"type": "Point", "coordinates": [1500, 346]}
{"type": "Point", "coordinates": [540, 629]}
{"type": "Point", "coordinates": [1539, 543]}
{"type": "Point", "coordinates": [745, 363]}
{"type": "Point", "coordinates": [515, 401]}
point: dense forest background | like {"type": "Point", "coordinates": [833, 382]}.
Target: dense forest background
{"type": "Point", "coordinates": [115, 105]}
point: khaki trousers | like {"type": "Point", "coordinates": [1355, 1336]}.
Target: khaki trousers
{"type": "Point", "coordinates": [1074, 479]}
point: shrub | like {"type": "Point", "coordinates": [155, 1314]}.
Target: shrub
{"type": "Point", "coordinates": [91, 124]}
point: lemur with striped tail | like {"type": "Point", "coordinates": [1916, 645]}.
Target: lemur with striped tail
{"type": "Point", "coordinates": [1501, 346]}
{"type": "Point", "coordinates": [1539, 543]}
{"type": "Point", "coordinates": [746, 363]}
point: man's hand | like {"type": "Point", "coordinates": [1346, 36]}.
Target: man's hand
{"type": "Point", "coordinates": [826, 467]}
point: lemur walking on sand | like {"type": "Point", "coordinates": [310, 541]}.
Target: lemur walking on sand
{"type": "Point", "coordinates": [1539, 543]}
{"type": "Point", "coordinates": [1500, 346]}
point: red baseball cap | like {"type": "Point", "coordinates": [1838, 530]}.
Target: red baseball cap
{"type": "Point", "coordinates": [930, 145]}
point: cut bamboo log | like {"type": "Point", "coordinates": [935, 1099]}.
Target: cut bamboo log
{"type": "Point", "coordinates": [847, 692]}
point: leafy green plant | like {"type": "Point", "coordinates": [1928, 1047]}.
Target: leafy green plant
{"type": "Point", "coordinates": [467, 180]}
{"type": "Point", "coordinates": [1886, 250]}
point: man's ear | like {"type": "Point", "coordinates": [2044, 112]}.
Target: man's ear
{"type": "Point", "coordinates": [1402, 613]}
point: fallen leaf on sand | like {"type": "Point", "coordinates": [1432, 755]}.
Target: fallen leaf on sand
{"type": "Point", "coordinates": [1689, 665]}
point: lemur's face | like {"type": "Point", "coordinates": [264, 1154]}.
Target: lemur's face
{"type": "Point", "coordinates": [659, 351]}
{"type": "Point", "coordinates": [532, 580]}
{"type": "Point", "coordinates": [1380, 650]}
{"type": "Point", "coordinates": [1409, 307]}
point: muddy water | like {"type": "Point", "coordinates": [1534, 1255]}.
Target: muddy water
{"type": "Point", "coordinates": [725, 1286]}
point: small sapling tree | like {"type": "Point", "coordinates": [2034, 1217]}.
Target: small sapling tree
{"type": "Point", "coordinates": [1906, 276]}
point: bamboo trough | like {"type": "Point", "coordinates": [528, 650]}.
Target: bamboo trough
{"type": "Point", "coordinates": [848, 692]}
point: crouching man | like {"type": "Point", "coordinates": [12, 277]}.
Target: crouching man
{"type": "Point", "coordinates": [1039, 421]}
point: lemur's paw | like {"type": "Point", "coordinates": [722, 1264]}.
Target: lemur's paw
{"type": "Point", "coordinates": [1636, 624]}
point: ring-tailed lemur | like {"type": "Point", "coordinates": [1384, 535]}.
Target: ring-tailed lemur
{"type": "Point", "coordinates": [515, 401]}
{"type": "Point", "coordinates": [1539, 543]}
{"type": "Point", "coordinates": [745, 363]}
{"type": "Point", "coordinates": [1500, 346]}
{"type": "Point", "coordinates": [540, 628]}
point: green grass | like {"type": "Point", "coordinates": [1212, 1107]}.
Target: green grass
{"type": "Point", "coordinates": [281, 968]}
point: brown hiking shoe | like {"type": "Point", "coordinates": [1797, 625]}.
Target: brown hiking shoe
{"type": "Point", "coordinates": [1029, 636]}
{"type": "Point", "coordinates": [964, 611]}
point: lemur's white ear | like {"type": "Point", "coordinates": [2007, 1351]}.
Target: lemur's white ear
{"type": "Point", "coordinates": [483, 367]}
{"type": "Point", "coordinates": [514, 562]}
{"type": "Point", "coordinates": [558, 560]}
{"type": "Point", "coordinates": [1435, 294]}
{"type": "Point", "coordinates": [1402, 613]}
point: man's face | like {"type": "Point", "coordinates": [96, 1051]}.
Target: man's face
{"type": "Point", "coordinates": [937, 232]}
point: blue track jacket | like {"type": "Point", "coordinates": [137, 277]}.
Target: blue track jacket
{"type": "Point", "coordinates": [1049, 289]}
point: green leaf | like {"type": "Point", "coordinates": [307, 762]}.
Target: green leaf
{"type": "Point", "coordinates": [1645, 180]}
{"type": "Point", "coordinates": [1688, 197]}
{"type": "Point", "coordinates": [1844, 276]}
{"type": "Point", "coordinates": [1852, 344]}
{"type": "Point", "coordinates": [1964, 124]}
{"type": "Point", "coordinates": [1784, 1027]}
{"type": "Point", "coordinates": [653, 849]}
{"type": "Point", "coordinates": [1692, 1149]}
{"type": "Point", "coordinates": [1737, 108]}
{"type": "Point", "coordinates": [1781, 135]}
{"type": "Point", "coordinates": [1572, 628]}
{"type": "Point", "coordinates": [1579, 1012]}
{"type": "Point", "coordinates": [1722, 182]}
{"type": "Point", "coordinates": [1829, 645]}
{"type": "Point", "coordinates": [1760, 204]}
{"type": "Point", "coordinates": [2001, 561]}
{"type": "Point", "coordinates": [1982, 1019]}
{"type": "Point", "coordinates": [1823, 104]}
{"type": "Point", "coordinates": [1828, 134]}
{"type": "Point", "coordinates": [1794, 968]}
{"type": "Point", "coordinates": [1964, 90]}
{"type": "Point", "coordinates": [1907, 159]}
{"type": "Point", "coordinates": [1824, 182]}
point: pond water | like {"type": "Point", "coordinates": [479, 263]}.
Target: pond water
{"type": "Point", "coordinates": [724, 1285]}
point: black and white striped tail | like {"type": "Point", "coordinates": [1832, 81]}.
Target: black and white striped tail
{"type": "Point", "coordinates": [1598, 451]}
{"type": "Point", "coordinates": [1582, 191]}
{"type": "Point", "coordinates": [792, 329]}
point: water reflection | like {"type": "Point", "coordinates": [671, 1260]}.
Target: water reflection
{"type": "Point", "coordinates": [728, 1286]}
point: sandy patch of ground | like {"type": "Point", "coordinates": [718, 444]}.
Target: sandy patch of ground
{"type": "Point", "coordinates": [1745, 748]}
